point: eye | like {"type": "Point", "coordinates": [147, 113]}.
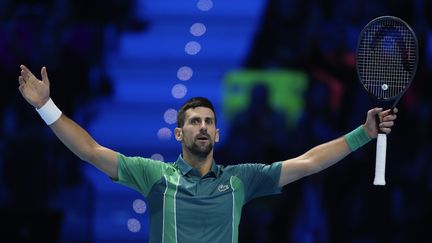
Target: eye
{"type": "Point", "coordinates": [209, 121]}
{"type": "Point", "coordinates": [195, 121]}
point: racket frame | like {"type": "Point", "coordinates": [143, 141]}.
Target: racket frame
{"type": "Point", "coordinates": [382, 138]}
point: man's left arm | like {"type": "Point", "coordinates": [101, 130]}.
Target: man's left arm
{"type": "Point", "coordinates": [327, 154]}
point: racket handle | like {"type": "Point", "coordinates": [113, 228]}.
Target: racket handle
{"type": "Point", "coordinates": [380, 160]}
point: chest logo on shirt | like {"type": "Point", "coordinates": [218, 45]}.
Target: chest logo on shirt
{"type": "Point", "coordinates": [223, 187]}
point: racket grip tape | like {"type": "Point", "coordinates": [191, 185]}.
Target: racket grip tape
{"type": "Point", "coordinates": [380, 160]}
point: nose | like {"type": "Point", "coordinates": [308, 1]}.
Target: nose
{"type": "Point", "coordinates": [203, 126]}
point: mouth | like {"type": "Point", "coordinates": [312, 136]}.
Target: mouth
{"type": "Point", "coordinates": [203, 138]}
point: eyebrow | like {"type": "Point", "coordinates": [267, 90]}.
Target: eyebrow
{"type": "Point", "coordinates": [197, 117]}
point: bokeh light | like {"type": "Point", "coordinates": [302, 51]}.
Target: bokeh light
{"type": "Point", "coordinates": [170, 116]}
{"type": "Point", "coordinates": [139, 206]}
{"type": "Point", "coordinates": [205, 5]}
{"type": "Point", "coordinates": [198, 29]}
{"type": "Point", "coordinates": [179, 91]}
{"type": "Point", "coordinates": [184, 73]}
{"type": "Point", "coordinates": [157, 157]}
{"type": "Point", "coordinates": [192, 47]}
{"type": "Point", "coordinates": [134, 225]}
{"type": "Point", "coordinates": [164, 133]}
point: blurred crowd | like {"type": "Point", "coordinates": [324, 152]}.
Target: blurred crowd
{"type": "Point", "coordinates": [72, 37]}
{"type": "Point", "coordinates": [339, 204]}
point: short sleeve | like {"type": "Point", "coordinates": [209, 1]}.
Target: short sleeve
{"type": "Point", "coordinates": [259, 179]}
{"type": "Point", "coordinates": [139, 173]}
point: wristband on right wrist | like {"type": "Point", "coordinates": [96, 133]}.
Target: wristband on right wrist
{"type": "Point", "coordinates": [357, 138]}
{"type": "Point", "coordinates": [49, 112]}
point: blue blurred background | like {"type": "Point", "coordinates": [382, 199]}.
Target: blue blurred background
{"type": "Point", "coordinates": [281, 74]}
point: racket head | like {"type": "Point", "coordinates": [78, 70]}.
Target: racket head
{"type": "Point", "coordinates": [387, 57]}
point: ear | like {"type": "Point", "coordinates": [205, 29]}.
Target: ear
{"type": "Point", "coordinates": [178, 134]}
{"type": "Point", "coordinates": [217, 136]}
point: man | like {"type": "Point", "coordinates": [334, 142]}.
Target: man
{"type": "Point", "coordinates": [193, 199]}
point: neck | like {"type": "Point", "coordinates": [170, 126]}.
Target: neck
{"type": "Point", "coordinates": [203, 165]}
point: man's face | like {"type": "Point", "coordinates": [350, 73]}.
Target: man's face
{"type": "Point", "coordinates": [199, 132]}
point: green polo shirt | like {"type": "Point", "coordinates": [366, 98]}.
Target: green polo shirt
{"type": "Point", "coordinates": [185, 207]}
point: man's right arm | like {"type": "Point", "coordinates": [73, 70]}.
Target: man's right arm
{"type": "Point", "coordinates": [84, 146]}
{"type": "Point", "coordinates": [37, 93]}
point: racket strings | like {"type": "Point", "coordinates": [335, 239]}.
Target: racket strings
{"type": "Point", "coordinates": [386, 58]}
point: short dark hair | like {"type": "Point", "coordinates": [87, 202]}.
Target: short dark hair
{"type": "Point", "coordinates": [190, 104]}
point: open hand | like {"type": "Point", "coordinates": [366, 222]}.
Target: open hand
{"type": "Point", "coordinates": [35, 91]}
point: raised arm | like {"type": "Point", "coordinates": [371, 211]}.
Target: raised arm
{"type": "Point", "coordinates": [37, 93]}
{"type": "Point", "coordinates": [327, 154]}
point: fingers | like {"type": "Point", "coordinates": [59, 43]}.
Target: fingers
{"type": "Point", "coordinates": [386, 124]}
{"type": "Point", "coordinates": [25, 73]}
{"type": "Point", "coordinates": [24, 76]}
{"type": "Point", "coordinates": [389, 112]}
{"type": "Point", "coordinates": [21, 80]}
{"type": "Point", "coordinates": [386, 130]}
{"type": "Point", "coordinates": [25, 69]}
{"type": "Point", "coordinates": [44, 75]}
{"type": "Point", "coordinates": [387, 120]}
{"type": "Point", "coordinates": [390, 117]}
{"type": "Point", "coordinates": [387, 115]}
{"type": "Point", "coordinates": [21, 84]}
{"type": "Point", "coordinates": [374, 111]}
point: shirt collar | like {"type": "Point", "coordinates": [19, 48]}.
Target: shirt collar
{"type": "Point", "coordinates": [185, 168]}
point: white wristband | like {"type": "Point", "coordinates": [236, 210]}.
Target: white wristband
{"type": "Point", "coordinates": [49, 112]}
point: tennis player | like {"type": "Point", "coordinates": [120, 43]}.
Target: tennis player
{"type": "Point", "coordinates": [194, 199]}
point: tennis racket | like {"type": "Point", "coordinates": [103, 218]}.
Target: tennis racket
{"type": "Point", "coordinates": [386, 60]}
